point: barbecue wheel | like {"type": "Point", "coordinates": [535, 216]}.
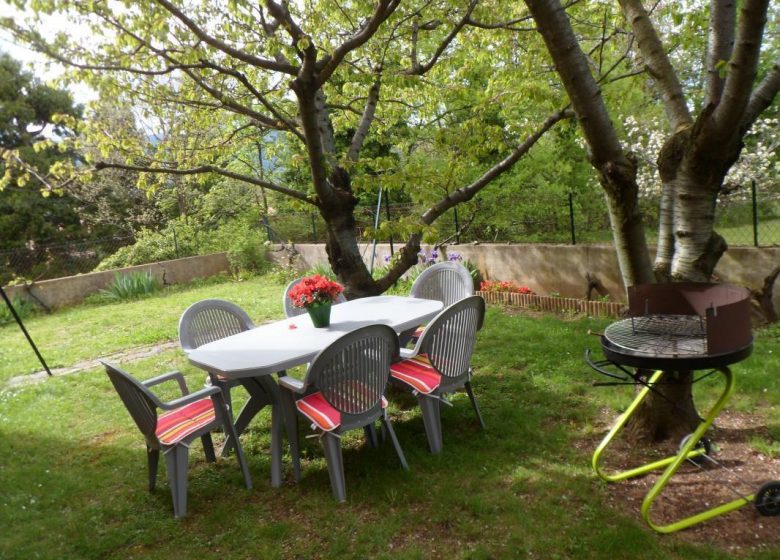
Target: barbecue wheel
{"type": "Point", "coordinates": [703, 444]}
{"type": "Point", "coordinates": [768, 498]}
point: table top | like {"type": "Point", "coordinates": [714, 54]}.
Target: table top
{"type": "Point", "coordinates": [294, 341]}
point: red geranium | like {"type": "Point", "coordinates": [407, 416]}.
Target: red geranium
{"type": "Point", "coordinates": [313, 290]}
{"type": "Point", "coordinates": [505, 286]}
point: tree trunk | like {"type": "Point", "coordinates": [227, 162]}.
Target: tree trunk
{"type": "Point", "coordinates": [667, 412]}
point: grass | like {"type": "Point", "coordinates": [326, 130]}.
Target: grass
{"type": "Point", "coordinates": [73, 469]}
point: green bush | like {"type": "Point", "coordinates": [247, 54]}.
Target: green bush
{"type": "Point", "coordinates": [244, 242]}
{"type": "Point", "coordinates": [24, 308]}
{"type": "Point", "coordinates": [130, 286]}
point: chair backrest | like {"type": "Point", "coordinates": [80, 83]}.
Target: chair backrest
{"type": "Point", "coordinates": [446, 281]}
{"type": "Point", "coordinates": [352, 372]}
{"type": "Point", "coordinates": [449, 339]}
{"type": "Point", "coordinates": [290, 310]}
{"type": "Point", "coordinates": [209, 320]}
{"type": "Point", "coordinates": [140, 402]}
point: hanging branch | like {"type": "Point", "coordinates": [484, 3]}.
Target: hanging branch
{"type": "Point", "coordinates": [209, 169]}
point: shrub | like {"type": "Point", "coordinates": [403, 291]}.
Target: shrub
{"type": "Point", "coordinates": [243, 241]}
{"type": "Point", "coordinates": [23, 307]}
{"type": "Point", "coordinates": [130, 286]}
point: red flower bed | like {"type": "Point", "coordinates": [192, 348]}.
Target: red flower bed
{"type": "Point", "coordinates": [314, 289]}
{"type": "Point", "coordinates": [505, 286]}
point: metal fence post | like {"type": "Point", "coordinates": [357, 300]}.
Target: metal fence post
{"type": "Point", "coordinates": [571, 219]}
{"type": "Point", "coordinates": [457, 226]}
{"type": "Point", "coordinates": [24, 330]}
{"type": "Point", "coordinates": [313, 227]}
{"type": "Point", "coordinates": [755, 212]}
{"type": "Point", "coordinates": [175, 243]}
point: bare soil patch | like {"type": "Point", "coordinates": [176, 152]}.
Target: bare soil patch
{"type": "Point", "coordinates": [740, 471]}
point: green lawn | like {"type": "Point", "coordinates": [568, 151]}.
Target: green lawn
{"type": "Point", "coordinates": [73, 466]}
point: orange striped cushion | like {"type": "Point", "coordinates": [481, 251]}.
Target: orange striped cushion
{"type": "Point", "coordinates": [419, 331]}
{"type": "Point", "coordinates": [417, 372]}
{"type": "Point", "coordinates": [174, 426]}
{"type": "Point", "coordinates": [321, 413]}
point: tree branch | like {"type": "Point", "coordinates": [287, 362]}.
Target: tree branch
{"type": "Point", "coordinates": [241, 55]}
{"type": "Point", "coordinates": [365, 121]}
{"type": "Point", "coordinates": [468, 192]}
{"type": "Point", "coordinates": [762, 97]}
{"type": "Point", "coordinates": [418, 69]}
{"type": "Point", "coordinates": [280, 119]}
{"type": "Point", "coordinates": [742, 68]}
{"type": "Point", "coordinates": [658, 64]}
{"type": "Point", "coordinates": [720, 43]}
{"type": "Point", "coordinates": [330, 62]}
{"type": "Point", "coordinates": [209, 169]}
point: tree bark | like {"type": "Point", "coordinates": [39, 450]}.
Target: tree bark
{"type": "Point", "coordinates": [668, 412]}
{"type": "Point", "coordinates": [617, 172]}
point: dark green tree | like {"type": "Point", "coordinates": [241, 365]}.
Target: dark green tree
{"type": "Point", "coordinates": [28, 110]}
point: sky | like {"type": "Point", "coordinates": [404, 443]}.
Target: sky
{"type": "Point", "coordinates": [40, 66]}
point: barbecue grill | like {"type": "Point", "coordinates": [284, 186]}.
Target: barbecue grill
{"type": "Point", "coordinates": [679, 327]}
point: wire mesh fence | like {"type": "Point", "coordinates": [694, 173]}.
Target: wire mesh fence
{"type": "Point", "coordinates": [552, 218]}
{"type": "Point", "coordinates": [752, 220]}
{"type": "Point", "coordinates": [42, 261]}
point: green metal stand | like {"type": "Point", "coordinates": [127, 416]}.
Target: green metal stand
{"type": "Point", "coordinates": [672, 464]}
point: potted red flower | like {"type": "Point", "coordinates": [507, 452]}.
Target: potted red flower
{"type": "Point", "coordinates": [316, 294]}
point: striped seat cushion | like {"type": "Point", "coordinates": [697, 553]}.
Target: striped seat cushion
{"type": "Point", "coordinates": [321, 413]}
{"type": "Point", "coordinates": [174, 426]}
{"type": "Point", "coordinates": [418, 373]}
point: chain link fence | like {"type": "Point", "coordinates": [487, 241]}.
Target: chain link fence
{"type": "Point", "coordinates": [542, 218]}
{"type": "Point", "coordinates": [42, 261]}
{"type": "Point", "coordinates": [571, 218]}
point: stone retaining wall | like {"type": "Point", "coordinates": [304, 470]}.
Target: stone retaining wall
{"type": "Point", "coordinates": [73, 289]}
{"type": "Point", "coordinates": [566, 269]}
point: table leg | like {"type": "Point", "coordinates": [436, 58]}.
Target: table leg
{"type": "Point", "coordinates": [259, 397]}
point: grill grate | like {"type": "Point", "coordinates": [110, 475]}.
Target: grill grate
{"type": "Point", "coordinates": [663, 336]}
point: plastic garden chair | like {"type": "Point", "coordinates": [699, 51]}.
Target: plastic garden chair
{"type": "Point", "coordinates": [446, 282]}
{"type": "Point", "coordinates": [292, 311]}
{"type": "Point", "coordinates": [440, 363]}
{"type": "Point", "coordinates": [191, 416]}
{"type": "Point", "coordinates": [209, 320]}
{"type": "Point", "coordinates": [344, 390]}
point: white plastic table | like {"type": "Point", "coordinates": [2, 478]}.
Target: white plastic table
{"type": "Point", "coordinates": [252, 356]}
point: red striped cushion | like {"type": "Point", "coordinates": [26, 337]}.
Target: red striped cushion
{"type": "Point", "coordinates": [321, 413]}
{"type": "Point", "coordinates": [174, 426]}
{"type": "Point", "coordinates": [419, 332]}
{"type": "Point", "coordinates": [418, 373]}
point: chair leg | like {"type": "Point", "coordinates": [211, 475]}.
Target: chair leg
{"type": "Point", "coordinates": [335, 460]}
{"type": "Point", "coordinates": [371, 436]}
{"type": "Point", "coordinates": [230, 431]}
{"type": "Point", "coordinates": [387, 427]}
{"type": "Point", "coordinates": [153, 459]}
{"type": "Point", "coordinates": [474, 404]}
{"type": "Point", "coordinates": [291, 426]}
{"type": "Point", "coordinates": [208, 448]}
{"type": "Point", "coordinates": [176, 461]}
{"type": "Point", "coordinates": [432, 421]}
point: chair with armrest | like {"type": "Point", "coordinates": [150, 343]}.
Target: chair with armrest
{"type": "Point", "coordinates": [209, 320]}
{"type": "Point", "coordinates": [440, 363]}
{"type": "Point", "coordinates": [185, 419]}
